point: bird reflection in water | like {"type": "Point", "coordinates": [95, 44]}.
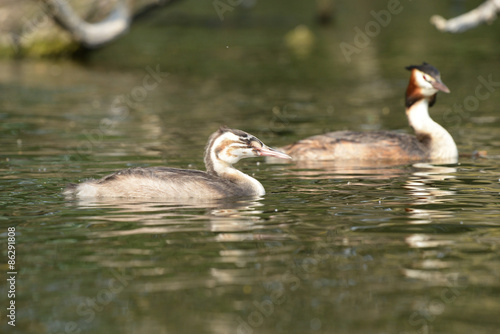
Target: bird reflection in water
{"type": "Point", "coordinates": [431, 267]}
{"type": "Point", "coordinates": [423, 187]}
{"type": "Point", "coordinates": [230, 220]}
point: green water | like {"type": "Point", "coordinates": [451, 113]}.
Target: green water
{"type": "Point", "coordinates": [329, 249]}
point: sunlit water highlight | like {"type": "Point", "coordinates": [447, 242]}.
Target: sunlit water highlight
{"type": "Point", "coordinates": [329, 249]}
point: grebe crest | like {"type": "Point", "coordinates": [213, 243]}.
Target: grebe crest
{"type": "Point", "coordinates": [425, 82]}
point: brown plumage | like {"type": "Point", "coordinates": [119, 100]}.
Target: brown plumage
{"type": "Point", "coordinates": [431, 141]}
{"type": "Point", "coordinates": [352, 145]}
{"type": "Point", "coordinates": [225, 147]}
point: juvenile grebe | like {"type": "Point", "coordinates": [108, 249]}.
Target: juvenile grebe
{"type": "Point", "coordinates": [225, 148]}
{"type": "Point", "coordinates": [431, 143]}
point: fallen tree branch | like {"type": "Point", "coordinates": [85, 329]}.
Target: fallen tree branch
{"type": "Point", "coordinates": [90, 35]}
{"type": "Point", "coordinates": [94, 35]}
{"type": "Point", "coordinates": [486, 12]}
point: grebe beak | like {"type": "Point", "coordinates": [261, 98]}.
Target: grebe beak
{"type": "Point", "coordinates": [271, 152]}
{"type": "Point", "coordinates": [439, 85]}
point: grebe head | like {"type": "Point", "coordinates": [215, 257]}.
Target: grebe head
{"type": "Point", "coordinates": [425, 82]}
{"type": "Point", "coordinates": [228, 146]}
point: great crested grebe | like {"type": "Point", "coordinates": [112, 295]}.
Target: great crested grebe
{"type": "Point", "coordinates": [431, 143]}
{"type": "Point", "coordinates": [225, 147]}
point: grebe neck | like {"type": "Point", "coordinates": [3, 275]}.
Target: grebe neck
{"type": "Point", "coordinates": [226, 171]}
{"type": "Point", "coordinates": [439, 141]}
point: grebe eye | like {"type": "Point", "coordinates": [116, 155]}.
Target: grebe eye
{"type": "Point", "coordinates": [254, 142]}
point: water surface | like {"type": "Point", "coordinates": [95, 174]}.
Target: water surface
{"type": "Point", "coordinates": [328, 249]}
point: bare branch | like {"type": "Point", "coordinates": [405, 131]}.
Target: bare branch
{"type": "Point", "coordinates": [90, 35]}
{"type": "Point", "coordinates": [486, 12]}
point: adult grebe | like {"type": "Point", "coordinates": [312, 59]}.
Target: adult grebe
{"type": "Point", "coordinates": [432, 142]}
{"type": "Point", "coordinates": [225, 148]}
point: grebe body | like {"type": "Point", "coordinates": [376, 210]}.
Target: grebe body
{"type": "Point", "coordinates": [225, 147]}
{"type": "Point", "coordinates": [430, 143]}
{"type": "Point", "coordinates": [359, 146]}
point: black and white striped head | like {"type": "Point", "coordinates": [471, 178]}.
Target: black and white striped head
{"type": "Point", "coordinates": [230, 145]}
